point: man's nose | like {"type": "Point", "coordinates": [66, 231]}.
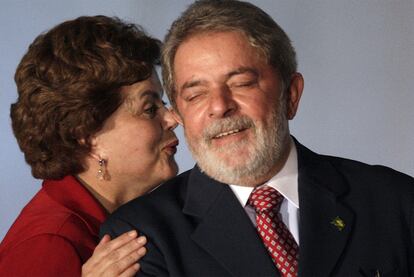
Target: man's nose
{"type": "Point", "coordinates": [222, 103]}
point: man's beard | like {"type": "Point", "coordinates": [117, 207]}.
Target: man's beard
{"type": "Point", "coordinates": [264, 149]}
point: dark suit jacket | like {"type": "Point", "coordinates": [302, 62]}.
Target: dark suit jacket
{"type": "Point", "coordinates": [197, 227]}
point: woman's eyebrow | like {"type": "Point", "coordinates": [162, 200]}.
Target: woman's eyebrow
{"type": "Point", "coordinates": [150, 93]}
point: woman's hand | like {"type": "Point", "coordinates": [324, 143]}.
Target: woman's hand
{"type": "Point", "coordinates": [117, 257]}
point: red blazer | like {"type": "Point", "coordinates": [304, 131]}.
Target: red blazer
{"type": "Point", "coordinates": [55, 233]}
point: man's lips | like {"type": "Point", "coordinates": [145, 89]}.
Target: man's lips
{"type": "Point", "coordinates": [227, 133]}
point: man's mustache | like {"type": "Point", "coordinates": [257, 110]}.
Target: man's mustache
{"type": "Point", "coordinates": [225, 125]}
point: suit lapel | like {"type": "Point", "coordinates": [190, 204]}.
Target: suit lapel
{"type": "Point", "coordinates": [224, 230]}
{"type": "Point", "coordinates": [325, 223]}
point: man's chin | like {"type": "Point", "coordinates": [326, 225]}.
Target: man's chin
{"type": "Point", "coordinates": [232, 165]}
{"type": "Point", "coordinates": [230, 171]}
{"type": "Point", "coordinates": [230, 160]}
{"type": "Point", "coordinates": [224, 177]}
{"type": "Point", "coordinates": [232, 154]}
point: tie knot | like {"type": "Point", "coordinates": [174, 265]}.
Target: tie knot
{"type": "Point", "coordinates": [265, 199]}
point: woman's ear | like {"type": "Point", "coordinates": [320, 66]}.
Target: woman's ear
{"type": "Point", "coordinates": [95, 152]}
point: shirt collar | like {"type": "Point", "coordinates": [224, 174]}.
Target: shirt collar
{"type": "Point", "coordinates": [285, 181]}
{"type": "Point", "coordinates": [71, 194]}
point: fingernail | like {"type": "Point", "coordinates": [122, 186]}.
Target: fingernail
{"type": "Point", "coordinates": [132, 233]}
{"type": "Point", "coordinates": [142, 251]}
{"type": "Point", "coordinates": [142, 240]}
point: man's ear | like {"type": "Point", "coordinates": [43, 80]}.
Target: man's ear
{"type": "Point", "coordinates": [177, 116]}
{"type": "Point", "coordinates": [294, 91]}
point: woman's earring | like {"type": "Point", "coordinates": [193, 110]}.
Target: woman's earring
{"type": "Point", "coordinates": [102, 174]}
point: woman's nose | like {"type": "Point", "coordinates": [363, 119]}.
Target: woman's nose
{"type": "Point", "coordinates": [170, 123]}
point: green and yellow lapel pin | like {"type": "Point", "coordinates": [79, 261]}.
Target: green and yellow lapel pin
{"type": "Point", "coordinates": [338, 223]}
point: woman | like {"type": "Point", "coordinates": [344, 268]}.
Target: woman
{"type": "Point", "coordinates": [90, 122]}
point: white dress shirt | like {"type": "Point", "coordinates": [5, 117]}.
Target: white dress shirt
{"type": "Point", "coordinates": [286, 183]}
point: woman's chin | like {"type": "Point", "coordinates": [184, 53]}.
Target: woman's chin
{"type": "Point", "coordinates": [172, 172]}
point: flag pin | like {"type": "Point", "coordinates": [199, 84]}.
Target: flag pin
{"type": "Point", "coordinates": [338, 223]}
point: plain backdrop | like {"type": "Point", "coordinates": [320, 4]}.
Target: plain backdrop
{"type": "Point", "coordinates": [357, 58]}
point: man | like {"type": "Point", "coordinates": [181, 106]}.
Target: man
{"type": "Point", "coordinates": [230, 73]}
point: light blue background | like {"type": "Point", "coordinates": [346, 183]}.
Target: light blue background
{"type": "Point", "coordinates": [357, 58]}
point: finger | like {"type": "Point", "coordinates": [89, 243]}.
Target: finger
{"type": "Point", "coordinates": [134, 248]}
{"type": "Point", "coordinates": [108, 252]}
{"type": "Point", "coordinates": [104, 239]}
{"type": "Point", "coordinates": [125, 263]}
{"type": "Point", "coordinates": [131, 271]}
{"type": "Point", "coordinates": [103, 250]}
{"type": "Point", "coordinates": [94, 259]}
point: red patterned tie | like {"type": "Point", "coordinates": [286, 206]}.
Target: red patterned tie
{"type": "Point", "coordinates": [276, 237]}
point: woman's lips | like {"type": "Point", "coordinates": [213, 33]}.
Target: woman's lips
{"type": "Point", "coordinates": [171, 147]}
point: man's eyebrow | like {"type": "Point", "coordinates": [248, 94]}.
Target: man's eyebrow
{"type": "Point", "coordinates": [242, 70]}
{"type": "Point", "coordinates": [192, 83]}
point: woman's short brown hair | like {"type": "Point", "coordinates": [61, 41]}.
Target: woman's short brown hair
{"type": "Point", "coordinates": [68, 84]}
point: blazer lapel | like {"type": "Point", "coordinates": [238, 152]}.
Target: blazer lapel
{"type": "Point", "coordinates": [325, 223]}
{"type": "Point", "coordinates": [224, 230]}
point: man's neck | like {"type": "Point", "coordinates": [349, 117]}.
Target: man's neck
{"type": "Point", "coordinates": [275, 169]}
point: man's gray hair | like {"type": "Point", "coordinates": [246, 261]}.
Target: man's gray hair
{"type": "Point", "coordinates": [259, 28]}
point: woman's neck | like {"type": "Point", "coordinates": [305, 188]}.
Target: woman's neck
{"type": "Point", "coordinates": [110, 195]}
